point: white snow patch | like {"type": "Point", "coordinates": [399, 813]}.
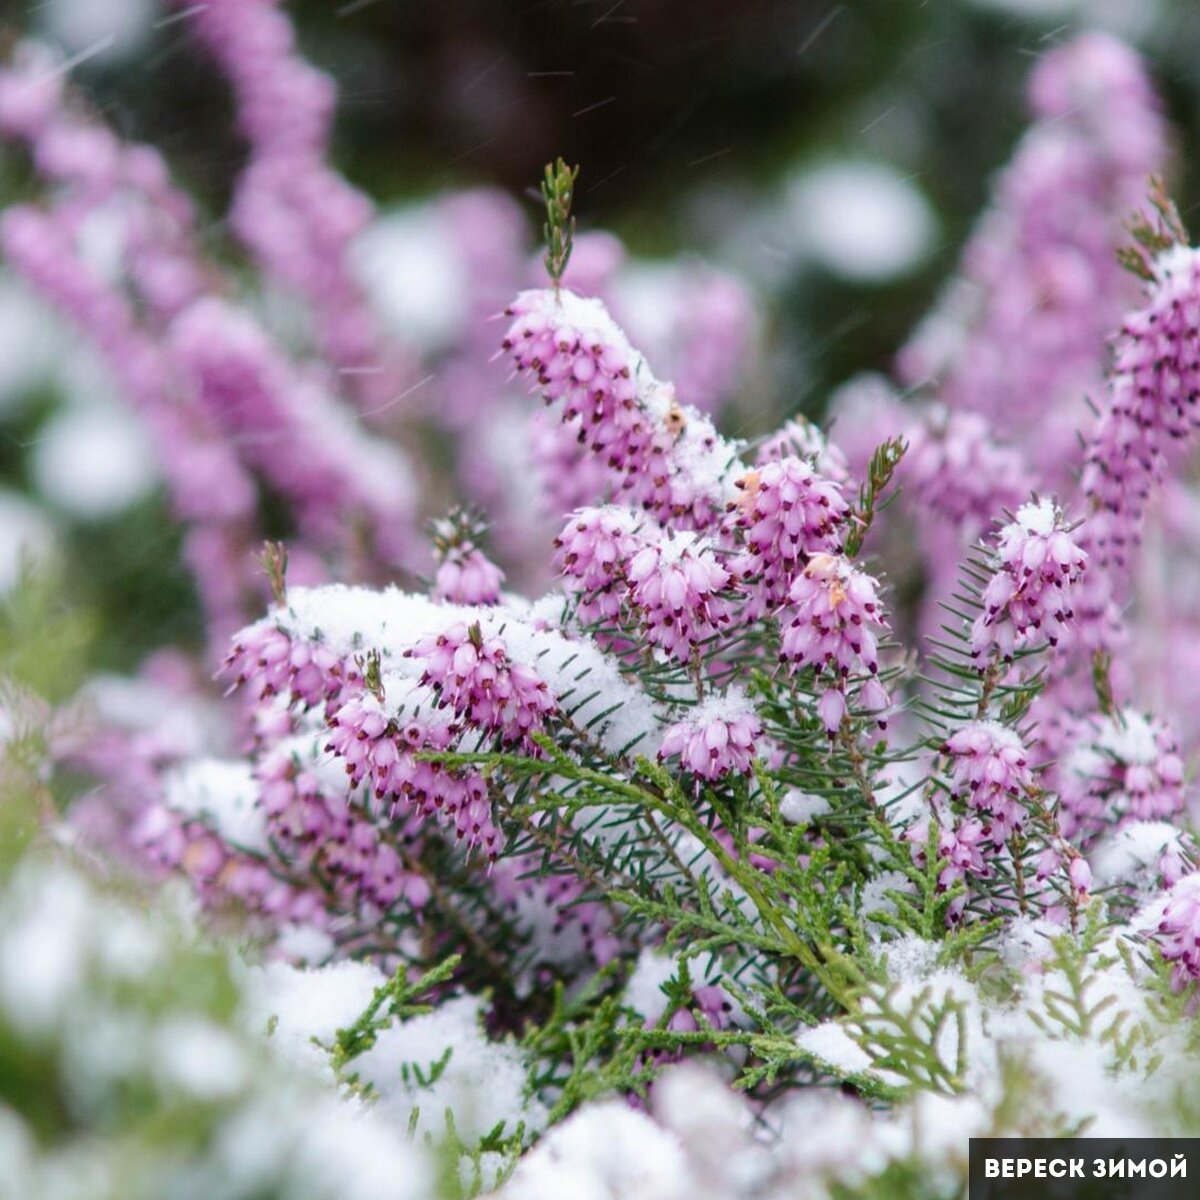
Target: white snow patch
{"type": "Point", "coordinates": [299, 1005]}
{"type": "Point", "coordinates": [830, 1042]}
{"type": "Point", "coordinates": [225, 795]}
{"type": "Point", "coordinates": [200, 1057]}
{"type": "Point", "coordinates": [874, 893]}
{"type": "Point", "coordinates": [802, 807]}
{"type": "Point", "coordinates": [911, 959]}
{"type": "Point", "coordinates": [30, 342]}
{"type": "Point", "coordinates": [112, 29]}
{"type": "Point", "coordinates": [481, 1082]}
{"type": "Point", "coordinates": [409, 265]}
{"type": "Point", "coordinates": [604, 1152]}
{"type": "Point", "coordinates": [1132, 853]}
{"type": "Point", "coordinates": [643, 992]}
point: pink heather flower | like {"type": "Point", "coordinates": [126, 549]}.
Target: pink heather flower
{"type": "Point", "coordinates": [467, 576]}
{"type": "Point", "coordinates": [699, 322]}
{"type": "Point", "coordinates": [297, 215]}
{"type": "Point", "coordinates": [1020, 337]}
{"type": "Point", "coordinates": [831, 708]}
{"type": "Point", "coordinates": [381, 750]}
{"type": "Point", "coordinates": [209, 488]}
{"type": "Point", "coordinates": [1178, 932]}
{"type": "Point", "coordinates": [1118, 769]}
{"type": "Point", "coordinates": [587, 366]}
{"type": "Point", "coordinates": [377, 749]}
{"type": "Point", "coordinates": [665, 456]}
{"type": "Point", "coordinates": [830, 626]}
{"type": "Point", "coordinates": [989, 770]}
{"type": "Point", "coordinates": [303, 441]}
{"type": "Point", "coordinates": [676, 584]}
{"type": "Point", "coordinates": [1048, 862]}
{"type": "Point", "coordinates": [963, 850]}
{"type": "Point", "coordinates": [269, 663]}
{"type": "Point", "coordinates": [1172, 863]}
{"type": "Point", "coordinates": [1036, 565]}
{"type": "Point", "coordinates": [716, 738]}
{"type": "Point", "coordinates": [317, 830]}
{"type": "Point", "coordinates": [962, 846]}
{"type": "Point", "coordinates": [221, 874]}
{"type": "Point", "coordinates": [477, 679]}
{"type": "Point", "coordinates": [297, 811]}
{"type": "Point", "coordinates": [1155, 385]}
{"type": "Point", "coordinates": [834, 606]}
{"type": "Point", "coordinates": [133, 312]}
{"type": "Point", "coordinates": [958, 470]}
{"type": "Point", "coordinates": [594, 550]}
{"type": "Point", "coordinates": [569, 475]}
{"type": "Point", "coordinates": [577, 928]}
{"type": "Point", "coordinates": [30, 91]}
{"type": "Point", "coordinates": [785, 512]}
{"type": "Point", "coordinates": [1080, 874]}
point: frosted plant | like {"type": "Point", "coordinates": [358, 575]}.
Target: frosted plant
{"type": "Point", "coordinates": [557, 864]}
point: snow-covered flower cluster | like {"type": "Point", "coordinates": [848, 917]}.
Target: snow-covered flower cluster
{"type": "Point", "coordinates": [1028, 598]}
{"type": "Point", "coordinates": [719, 736]}
{"type": "Point", "coordinates": [989, 768]}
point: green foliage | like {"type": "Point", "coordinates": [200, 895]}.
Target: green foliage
{"type": "Point", "coordinates": [1153, 233]}
{"type": "Point", "coordinates": [44, 653]}
{"type": "Point", "coordinates": [130, 573]}
{"type": "Point", "coordinates": [558, 193]}
{"type": "Point", "coordinates": [884, 461]}
{"type": "Point", "coordinates": [396, 1000]}
{"type": "Point", "coordinates": [44, 639]}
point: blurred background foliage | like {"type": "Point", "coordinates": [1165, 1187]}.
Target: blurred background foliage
{"type": "Point", "coordinates": [834, 154]}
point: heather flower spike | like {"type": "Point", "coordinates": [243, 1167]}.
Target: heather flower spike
{"type": "Point", "coordinates": [989, 769]}
{"type": "Point", "coordinates": [831, 624]}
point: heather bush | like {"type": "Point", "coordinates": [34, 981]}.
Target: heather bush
{"type": "Point", "coordinates": [566, 798]}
